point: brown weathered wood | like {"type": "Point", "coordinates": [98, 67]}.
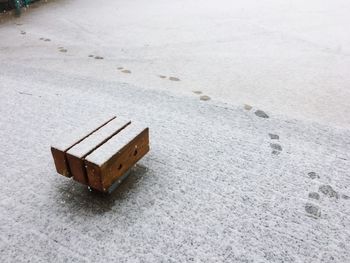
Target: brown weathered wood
{"type": "Point", "coordinates": [128, 146]}
{"type": "Point", "coordinates": [59, 151]}
{"type": "Point", "coordinates": [61, 164]}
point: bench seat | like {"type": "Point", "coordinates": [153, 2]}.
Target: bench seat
{"type": "Point", "coordinates": [101, 156]}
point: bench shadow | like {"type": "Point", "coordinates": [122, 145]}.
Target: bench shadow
{"type": "Point", "coordinates": [79, 199]}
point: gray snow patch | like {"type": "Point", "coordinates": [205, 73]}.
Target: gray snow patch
{"type": "Point", "coordinates": [276, 146]}
{"type": "Point", "coordinates": [204, 97]}
{"type": "Point", "coordinates": [273, 136]}
{"type": "Point", "coordinates": [314, 195]}
{"type": "Point", "coordinates": [261, 114]}
{"type": "Point", "coordinates": [328, 191]}
{"type": "Point", "coordinates": [313, 210]}
{"type": "Point", "coordinates": [346, 197]}
{"type": "Point", "coordinates": [274, 152]}
{"type": "Point", "coordinates": [247, 107]}
{"type": "Point", "coordinates": [313, 175]}
{"type": "Point", "coordinates": [174, 79]}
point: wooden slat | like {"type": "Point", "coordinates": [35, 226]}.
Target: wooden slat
{"type": "Point", "coordinates": [77, 153]}
{"type": "Point", "coordinates": [111, 160]}
{"type": "Point", "coordinates": [68, 140]}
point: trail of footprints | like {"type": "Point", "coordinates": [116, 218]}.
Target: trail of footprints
{"type": "Point", "coordinates": [258, 113]}
{"type": "Point", "coordinates": [197, 92]}
{"type": "Point", "coordinates": [45, 39]}
{"type": "Point", "coordinates": [276, 147]}
{"type": "Point", "coordinates": [170, 78]}
{"type": "Point", "coordinates": [324, 191]}
{"type": "Point", "coordinates": [312, 207]}
{"type": "Point", "coordinates": [95, 56]}
{"type": "Point", "coordinates": [60, 49]}
{"type": "Point", "coordinates": [313, 210]}
{"type": "Point", "coordinates": [121, 69]}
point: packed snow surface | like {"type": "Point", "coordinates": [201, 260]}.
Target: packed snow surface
{"type": "Point", "coordinates": [247, 103]}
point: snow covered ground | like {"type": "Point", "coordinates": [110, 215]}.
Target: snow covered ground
{"type": "Point", "coordinates": [221, 182]}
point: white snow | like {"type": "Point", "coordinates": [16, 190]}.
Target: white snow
{"type": "Point", "coordinates": [210, 189]}
{"type": "Point", "coordinates": [115, 144]}
{"type": "Point", "coordinates": [98, 137]}
{"type": "Point", "coordinates": [78, 132]}
{"type": "Point", "coordinates": [289, 57]}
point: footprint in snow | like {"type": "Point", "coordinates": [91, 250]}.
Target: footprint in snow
{"type": "Point", "coordinates": [174, 79]}
{"type": "Point", "coordinates": [276, 148]}
{"type": "Point", "coordinates": [62, 49]}
{"type": "Point", "coordinates": [314, 195]}
{"type": "Point", "coordinates": [273, 136]}
{"type": "Point", "coordinates": [346, 197]}
{"type": "Point", "coordinates": [23, 32]}
{"type": "Point", "coordinates": [170, 78]}
{"type": "Point", "coordinates": [247, 107]}
{"type": "Point", "coordinates": [204, 98]}
{"type": "Point", "coordinates": [328, 191]}
{"type": "Point", "coordinates": [98, 57]}
{"type": "Point", "coordinates": [325, 189]}
{"type": "Point", "coordinates": [123, 70]}
{"type": "Point", "coordinates": [313, 210]}
{"type": "Point", "coordinates": [261, 114]}
{"type": "Point", "coordinates": [313, 175]}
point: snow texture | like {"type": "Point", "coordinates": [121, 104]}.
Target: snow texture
{"type": "Point", "coordinates": [98, 137]}
{"type": "Point", "coordinates": [209, 189]}
{"type": "Point", "coordinates": [69, 138]}
{"type": "Point", "coordinates": [115, 144]}
{"type": "Point", "coordinates": [212, 188]}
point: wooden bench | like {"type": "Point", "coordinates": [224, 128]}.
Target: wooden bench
{"type": "Point", "coordinates": [101, 157]}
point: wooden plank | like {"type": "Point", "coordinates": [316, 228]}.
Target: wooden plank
{"type": "Point", "coordinates": [110, 161]}
{"type": "Point", "coordinates": [69, 139]}
{"type": "Point", "coordinates": [77, 153]}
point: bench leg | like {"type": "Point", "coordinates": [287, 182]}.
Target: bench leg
{"type": "Point", "coordinates": [119, 181]}
{"type": "Point", "coordinates": [116, 183]}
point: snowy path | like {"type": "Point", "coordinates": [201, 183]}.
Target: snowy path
{"type": "Point", "coordinates": [289, 57]}
{"type": "Point", "coordinates": [215, 186]}
{"type": "Point", "coordinates": [209, 189]}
